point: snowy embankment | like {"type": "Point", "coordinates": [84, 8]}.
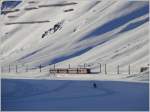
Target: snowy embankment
{"type": "Point", "coordinates": [141, 77]}
{"type": "Point", "coordinates": [92, 32]}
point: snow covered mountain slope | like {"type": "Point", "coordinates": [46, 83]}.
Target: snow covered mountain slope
{"type": "Point", "coordinates": [75, 32]}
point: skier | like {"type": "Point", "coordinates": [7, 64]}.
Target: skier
{"type": "Point", "coordinates": [94, 85]}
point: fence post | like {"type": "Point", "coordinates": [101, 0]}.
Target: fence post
{"type": "Point", "coordinates": [9, 67]}
{"type": "Point", "coordinates": [16, 68]}
{"type": "Point", "coordinates": [105, 69]}
{"type": "Point", "coordinates": [100, 68]}
{"type": "Point", "coordinates": [129, 69]}
{"type": "Point", "coordinates": [118, 69]}
{"type": "Point", "coordinates": [69, 65]}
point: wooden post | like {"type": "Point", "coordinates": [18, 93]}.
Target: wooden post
{"type": "Point", "coordinates": [129, 69]}
{"type": "Point", "coordinates": [16, 68]}
{"type": "Point", "coordinates": [100, 68]}
{"type": "Point", "coordinates": [118, 69]}
{"type": "Point", "coordinates": [105, 69]}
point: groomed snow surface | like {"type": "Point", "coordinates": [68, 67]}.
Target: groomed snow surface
{"type": "Point", "coordinates": [75, 32]}
{"type": "Point", "coordinates": [56, 95]}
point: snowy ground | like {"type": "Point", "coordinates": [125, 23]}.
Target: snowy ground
{"type": "Point", "coordinates": [73, 95]}
{"type": "Point", "coordinates": [75, 32]}
{"type": "Point", "coordinates": [106, 32]}
{"type": "Point", "coordinates": [142, 77]}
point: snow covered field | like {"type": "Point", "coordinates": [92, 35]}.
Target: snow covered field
{"type": "Point", "coordinates": [75, 32]}
{"type": "Point", "coordinates": [91, 32]}
{"type": "Point", "coordinates": [24, 94]}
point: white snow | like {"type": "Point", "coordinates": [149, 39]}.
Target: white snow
{"type": "Point", "coordinates": [22, 44]}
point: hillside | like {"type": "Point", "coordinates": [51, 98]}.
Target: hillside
{"type": "Point", "coordinates": [75, 32]}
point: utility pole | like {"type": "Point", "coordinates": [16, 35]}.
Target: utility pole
{"type": "Point", "coordinates": [54, 70]}
{"type": "Point", "coordinates": [40, 68]}
{"type": "Point", "coordinates": [16, 68]}
{"type": "Point", "coordinates": [27, 68]}
{"type": "Point", "coordinates": [105, 69]}
{"type": "Point", "coordinates": [118, 69]}
{"type": "Point", "coordinates": [100, 68]}
{"type": "Point", "coordinates": [9, 67]}
{"type": "Point", "coordinates": [54, 66]}
{"type": "Point", "coordinates": [129, 69]}
{"type": "Point", "coordinates": [1, 69]}
{"type": "Point", "coordinates": [84, 65]}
